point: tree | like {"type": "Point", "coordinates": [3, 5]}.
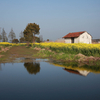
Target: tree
{"type": "Point", "coordinates": [6, 39]}
{"type": "Point", "coordinates": [22, 39]}
{"type": "Point", "coordinates": [41, 38]}
{"type": "Point", "coordinates": [30, 31]}
{"type": "Point", "coordinates": [15, 41]}
{"type": "Point", "coordinates": [38, 40]}
{"type": "Point", "coordinates": [3, 34]}
{"type": "Point", "coordinates": [21, 35]}
{"type": "Point", "coordinates": [0, 37]}
{"type": "Point", "coordinates": [11, 35]}
{"type": "Point", "coordinates": [47, 39]}
{"type": "Point", "coordinates": [32, 67]}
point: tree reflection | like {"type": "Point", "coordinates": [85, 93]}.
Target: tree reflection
{"type": "Point", "coordinates": [0, 67]}
{"type": "Point", "coordinates": [33, 67]}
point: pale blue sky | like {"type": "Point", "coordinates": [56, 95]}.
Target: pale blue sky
{"type": "Point", "coordinates": [56, 18]}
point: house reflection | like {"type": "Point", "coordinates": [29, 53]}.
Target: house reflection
{"type": "Point", "coordinates": [32, 67]}
{"type": "Point", "coordinates": [78, 72]}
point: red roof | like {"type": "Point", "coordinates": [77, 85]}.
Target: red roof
{"type": "Point", "coordinates": [72, 71]}
{"type": "Point", "coordinates": [74, 34]}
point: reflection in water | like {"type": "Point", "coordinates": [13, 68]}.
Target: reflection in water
{"type": "Point", "coordinates": [78, 72]}
{"type": "Point", "coordinates": [0, 67]}
{"type": "Point", "coordinates": [78, 68]}
{"type": "Point", "coordinates": [32, 67]}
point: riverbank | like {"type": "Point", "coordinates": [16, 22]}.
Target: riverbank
{"type": "Point", "coordinates": [64, 57]}
{"type": "Point", "coordinates": [16, 52]}
{"type": "Point", "coordinates": [11, 54]}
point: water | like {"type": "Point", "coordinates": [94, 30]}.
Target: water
{"type": "Point", "coordinates": [45, 81]}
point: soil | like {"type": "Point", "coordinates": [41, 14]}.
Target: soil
{"type": "Point", "coordinates": [86, 58]}
{"type": "Point", "coordinates": [25, 54]}
{"type": "Point", "coordinates": [16, 52]}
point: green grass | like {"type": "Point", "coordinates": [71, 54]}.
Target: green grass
{"type": "Point", "coordinates": [55, 55]}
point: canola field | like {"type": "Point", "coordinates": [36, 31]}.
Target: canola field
{"type": "Point", "coordinates": [11, 44]}
{"type": "Point", "coordinates": [74, 48]}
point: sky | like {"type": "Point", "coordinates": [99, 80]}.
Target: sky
{"type": "Point", "coordinates": [56, 18]}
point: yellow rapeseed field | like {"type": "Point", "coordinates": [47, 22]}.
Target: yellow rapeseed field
{"type": "Point", "coordinates": [86, 49]}
{"type": "Point", "coordinates": [11, 44]}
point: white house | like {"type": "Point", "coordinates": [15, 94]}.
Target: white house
{"type": "Point", "coordinates": [78, 37]}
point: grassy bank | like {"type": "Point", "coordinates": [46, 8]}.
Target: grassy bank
{"type": "Point", "coordinates": [59, 51]}
{"type": "Point", "coordinates": [75, 48]}
{"type": "Point", "coordinates": [65, 52]}
{"type": "Point", "coordinates": [17, 54]}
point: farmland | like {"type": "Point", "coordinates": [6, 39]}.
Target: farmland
{"type": "Point", "coordinates": [54, 50]}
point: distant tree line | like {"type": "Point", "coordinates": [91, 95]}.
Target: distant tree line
{"type": "Point", "coordinates": [28, 35]}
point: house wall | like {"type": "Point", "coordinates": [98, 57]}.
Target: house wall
{"type": "Point", "coordinates": [85, 38]}
{"type": "Point", "coordinates": [76, 40]}
{"type": "Point", "coordinates": [67, 40]}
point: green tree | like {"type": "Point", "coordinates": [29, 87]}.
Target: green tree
{"type": "Point", "coordinates": [30, 31]}
{"type": "Point", "coordinates": [15, 41]}
{"type": "Point", "coordinates": [32, 67]}
{"type": "Point", "coordinates": [47, 39]}
{"type": "Point", "coordinates": [3, 34]}
{"type": "Point", "coordinates": [22, 40]}
{"type": "Point", "coordinates": [38, 40]}
{"type": "Point", "coordinates": [11, 35]}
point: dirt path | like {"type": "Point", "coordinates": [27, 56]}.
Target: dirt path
{"type": "Point", "coordinates": [17, 52]}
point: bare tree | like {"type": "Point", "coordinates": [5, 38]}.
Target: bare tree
{"type": "Point", "coordinates": [6, 39]}
{"type": "Point", "coordinates": [41, 38]}
{"type": "Point", "coordinates": [21, 35]}
{"type": "Point", "coordinates": [11, 35]}
{"type": "Point", "coordinates": [0, 37]}
{"type": "Point", "coordinates": [21, 39]}
{"type": "Point", "coordinates": [3, 34]}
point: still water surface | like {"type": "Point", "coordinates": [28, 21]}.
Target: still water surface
{"type": "Point", "coordinates": [44, 81]}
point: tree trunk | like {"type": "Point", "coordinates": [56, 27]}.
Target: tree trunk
{"type": "Point", "coordinates": [34, 39]}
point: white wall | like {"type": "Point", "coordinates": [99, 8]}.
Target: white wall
{"type": "Point", "coordinates": [68, 40]}
{"type": "Point", "coordinates": [85, 38]}
{"type": "Point", "coordinates": [76, 40]}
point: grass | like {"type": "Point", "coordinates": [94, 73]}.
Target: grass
{"type": "Point", "coordinates": [17, 52]}
{"type": "Point", "coordinates": [55, 55]}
